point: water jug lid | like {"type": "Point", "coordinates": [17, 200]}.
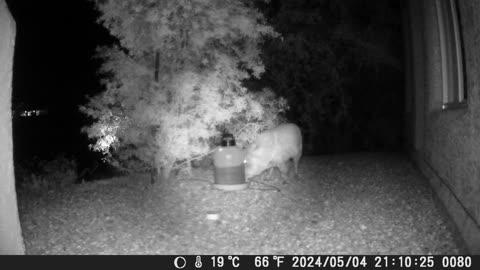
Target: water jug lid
{"type": "Point", "coordinates": [228, 140]}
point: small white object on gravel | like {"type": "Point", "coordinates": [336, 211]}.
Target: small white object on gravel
{"type": "Point", "coordinates": [212, 215]}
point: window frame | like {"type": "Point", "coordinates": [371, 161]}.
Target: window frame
{"type": "Point", "coordinates": [451, 98]}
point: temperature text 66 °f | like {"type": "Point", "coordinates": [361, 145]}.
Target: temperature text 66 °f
{"type": "Point", "coordinates": [264, 261]}
{"type": "Point", "coordinates": [328, 261]}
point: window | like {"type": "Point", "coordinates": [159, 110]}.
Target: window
{"type": "Point", "coordinates": [452, 57]}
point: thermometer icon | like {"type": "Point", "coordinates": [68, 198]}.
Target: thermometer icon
{"type": "Point", "coordinates": [198, 262]}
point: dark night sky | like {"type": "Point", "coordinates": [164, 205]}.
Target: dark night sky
{"type": "Point", "coordinates": [54, 67]}
{"type": "Point", "coordinates": [55, 44]}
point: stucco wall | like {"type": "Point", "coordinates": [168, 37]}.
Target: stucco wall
{"type": "Point", "coordinates": [450, 152]}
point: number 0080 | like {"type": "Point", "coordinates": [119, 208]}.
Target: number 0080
{"type": "Point", "coordinates": [457, 261]}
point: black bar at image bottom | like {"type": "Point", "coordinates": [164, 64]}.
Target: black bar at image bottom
{"type": "Point", "coordinates": [188, 262]}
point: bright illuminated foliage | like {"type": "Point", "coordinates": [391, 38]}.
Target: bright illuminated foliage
{"type": "Point", "coordinates": [175, 78]}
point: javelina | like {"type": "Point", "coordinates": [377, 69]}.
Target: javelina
{"type": "Point", "coordinates": [274, 148]}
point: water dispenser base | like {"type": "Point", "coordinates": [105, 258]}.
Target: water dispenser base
{"type": "Point", "coordinates": [230, 187]}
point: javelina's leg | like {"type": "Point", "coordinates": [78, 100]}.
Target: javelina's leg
{"type": "Point", "coordinates": [153, 176]}
{"type": "Point", "coordinates": [296, 159]}
{"type": "Point", "coordinates": [283, 167]}
{"type": "Point", "coordinates": [189, 169]}
{"type": "Point", "coordinates": [270, 172]}
{"type": "Point", "coordinates": [166, 172]}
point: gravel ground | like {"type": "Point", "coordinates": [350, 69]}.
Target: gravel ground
{"type": "Point", "coordinates": [346, 204]}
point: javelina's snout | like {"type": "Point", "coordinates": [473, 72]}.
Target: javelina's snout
{"type": "Point", "coordinates": [274, 148]}
{"type": "Point", "coordinates": [254, 165]}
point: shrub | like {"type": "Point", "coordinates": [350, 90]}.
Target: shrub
{"type": "Point", "coordinates": [40, 175]}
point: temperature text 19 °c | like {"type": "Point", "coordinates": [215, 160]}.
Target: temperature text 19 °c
{"type": "Point", "coordinates": [221, 261]}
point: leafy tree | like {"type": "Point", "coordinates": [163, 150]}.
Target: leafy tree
{"type": "Point", "coordinates": [175, 77]}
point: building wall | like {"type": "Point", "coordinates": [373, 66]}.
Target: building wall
{"type": "Point", "coordinates": [447, 142]}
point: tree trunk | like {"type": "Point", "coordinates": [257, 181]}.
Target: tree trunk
{"type": "Point", "coordinates": [11, 241]}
